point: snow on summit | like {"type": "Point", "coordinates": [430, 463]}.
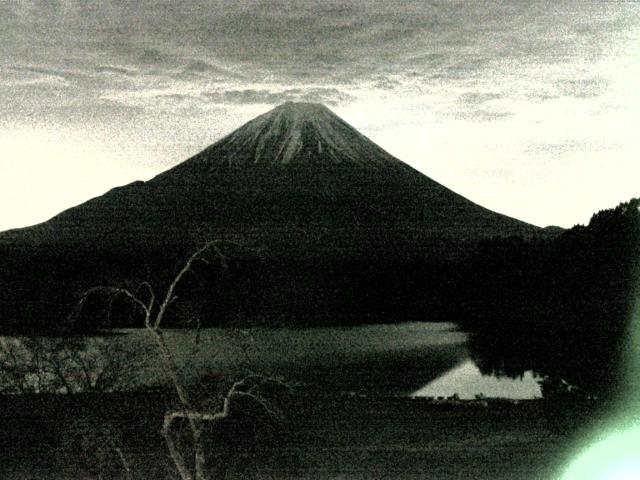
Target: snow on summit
{"type": "Point", "coordinates": [301, 133]}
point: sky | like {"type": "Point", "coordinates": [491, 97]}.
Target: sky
{"type": "Point", "coordinates": [529, 108]}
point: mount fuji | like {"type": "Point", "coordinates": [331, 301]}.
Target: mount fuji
{"type": "Point", "coordinates": [331, 211]}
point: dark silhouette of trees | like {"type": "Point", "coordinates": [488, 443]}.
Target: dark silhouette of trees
{"type": "Point", "coordinates": [560, 307]}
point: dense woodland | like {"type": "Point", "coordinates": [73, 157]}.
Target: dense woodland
{"type": "Point", "coordinates": [365, 278]}
{"type": "Point", "coordinates": [560, 307]}
{"type": "Point", "coordinates": [556, 304]}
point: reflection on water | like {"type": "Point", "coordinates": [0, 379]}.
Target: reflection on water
{"type": "Point", "coordinates": [466, 381]}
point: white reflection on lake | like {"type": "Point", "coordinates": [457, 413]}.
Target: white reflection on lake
{"type": "Point", "coordinates": [467, 381]}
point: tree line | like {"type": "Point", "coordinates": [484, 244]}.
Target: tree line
{"type": "Point", "coordinates": [560, 307]}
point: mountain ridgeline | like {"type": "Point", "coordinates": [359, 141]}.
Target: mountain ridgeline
{"type": "Point", "coordinates": [298, 167]}
{"type": "Point", "coordinates": [321, 226]}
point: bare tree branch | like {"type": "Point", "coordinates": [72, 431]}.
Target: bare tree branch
{"type": "Point", "coordinates": [170, 291]}
{"type": "Point", "coordinates": [146, 308]}
{"type": "Point", "coordinates": [247, 388]}
{"type": "Point", "coordinates": [154, 328]}
{"type": "Point", "coordinates": [123, 460]}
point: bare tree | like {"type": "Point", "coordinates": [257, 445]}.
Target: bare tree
{"type": "Point", "coordinates": [18, 374]}
{"type": "Point", "coordinates": [72, 366]}
{"type": "Point", "coordinates": [63, 365]}
{"type": "Point", "coordinates": [154, 309]}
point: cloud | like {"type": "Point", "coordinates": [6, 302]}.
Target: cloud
{"type": "Point", "coordinates": [482, 106]}
{"type": "Point", "coordinates": [40, 81]}
{"type": "Point", "coordinates": [38, 74]}
{"type": "Point", "coordinates": [149, 99]}
{"type": "Point", "coordinates": [192, 95]}
{"type": "Point", "coordinates": [384, 82]}
{"type": "Point", "coordinates": [326, 95]}
{"type": "Point", "coordinates": [198, 69]}
{"type": "Point", "coordinates": [200, 66]}
{"type": "Point", "coordinates": [541, 95]}
{"type": "Point", "coordinates": [560, 149]}
{"type": "Point", "coordinates": [114, 69]}
{"type": "Point", "coordinates": [427, 57]}
{"type": "Point", "coordinates": [176, 96]}
{"type": "Point", "coordinates": [86, 77]}
{"type": "Point", "coordinates": [479, 98]}
{"type": "Point", "coordinates": [583, 87]}
{"type": "Point", "coordinates": [28, 79]}
{"type": "Point", "coordinates": [156, 57]}
{"type": "Point", "coordinates": [482, 115]}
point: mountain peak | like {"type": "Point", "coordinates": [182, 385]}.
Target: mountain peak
{"type": "Point", "coordinates": [290, 117]}
{"type": "Point", "coordinates": [301, 108]}
{"type": "Point", "coordinates": [300, 134]}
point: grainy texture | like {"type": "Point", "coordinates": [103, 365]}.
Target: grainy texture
{"type": "Point", "coordinates": [327, 438]}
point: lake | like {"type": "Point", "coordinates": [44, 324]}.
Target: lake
{"type": "Point", "coordinates": [411, 359]}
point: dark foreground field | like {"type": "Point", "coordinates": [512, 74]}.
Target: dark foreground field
{"type": "Point", "coordinates": [65, 437]}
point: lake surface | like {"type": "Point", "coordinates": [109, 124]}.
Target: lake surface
{"type": "Point", "coordinates": [417, 359]}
